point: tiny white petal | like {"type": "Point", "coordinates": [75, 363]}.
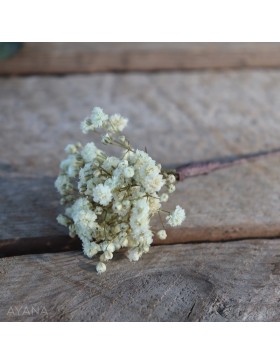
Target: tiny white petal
{"type": "Point", "coordinates": [171, 178]}
{"type": "Point", "coordinates": [117, 123]}
{"type": "Point", "coordinates": [171, 188]}
{"type": "Point", "coordinates": [89, 152]}
{"type": "Point", "coordinates": [164, 197]}
{"type": "Point", "coordinates": [176, 217]}
{"type": "Point", "coordinates": [162, 234]}
{"type": "Point", "coordinates": [102, 194]}
{"type": "Point", "coordinates": [133, 254]}
{"type": "Point", "coordinates": [100, 267]}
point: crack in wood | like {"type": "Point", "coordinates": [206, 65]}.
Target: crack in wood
{"type": "Point", "coordinates": [191, 310]}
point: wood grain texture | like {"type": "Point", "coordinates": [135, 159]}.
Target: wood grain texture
{"type": "Point", "coordinates": [180, 117]}
{"type": "Point", "coordinates": [236, 281]}
{"type": "Point", "coordinates": [235, 211]}
{"type": "Point", "coordinates": [65, 58]}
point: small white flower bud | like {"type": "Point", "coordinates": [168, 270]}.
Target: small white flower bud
{"type": "Point", "coordinates": [126, 204]}
{"type": "Point", "coordinates": [133, 254]}
{"type": "Point", "coordinates": [111, 248]}
{"type": "Point", "coordinates": [86, 125]}
{"type": "Point", "coordinates": [96, 163]}
{"type": "Point", "coordinates": [117, 245]}
{"type": "Point", "coordinates": [116, 229]}
{"type": "Point", "coordinates": [106, 256]}
{"type": "Point", "coordinates": [123, 164]}
{"type": "Point", "coordinates": [71, 149]}
{"type": "Point", "coordinates": [100, 267]}
{"type": "Point", "coordinates": [98, 210]}
{"type": "Point", "coordinates": [176, 217]}
{"type": "Point", "coordinates": [171, 188]}
{"type": "Point", "coordinates": [117, 206]}
{"type": "Point", "coordinates": [171, 178]}
{"type": "Point", "coordinates": [106, 139]}
{"type": "Point", "coordinates": [72, 231]}
{"type": "Point", "coordinates": [146, 248]}
{"type": "Point", "coordinates": [162, 234]}
{"type": "Point", "coordinates": [96, 173]}
{"type": "Point", "coordinates": [104, 245]}
{"type": "Point", "coordinates": [128, 172]}
{"type": "Point", "coordinates": [63, 220]}
{"type": "Point", "coordinates": [125, 243]}
{"type": "Point", "coordinates": [117, 123]}
{"type": "Point", "coordinates": [124, 226]}
{"type": "Point", "coordinates": [164, 197]}
{"type": "Point", "coordinates": [102, 258]}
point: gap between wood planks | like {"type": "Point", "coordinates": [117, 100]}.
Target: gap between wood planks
{"type": "Point", "coordinates": [63, 243]}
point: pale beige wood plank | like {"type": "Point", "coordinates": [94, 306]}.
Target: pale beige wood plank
{"type": "Point", "coordinates": [237, 281]}
{"type": "Point", "coordinates": [62, 58]}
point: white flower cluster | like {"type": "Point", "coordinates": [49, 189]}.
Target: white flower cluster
{"type": "Point", "coordinates": [110, 200]}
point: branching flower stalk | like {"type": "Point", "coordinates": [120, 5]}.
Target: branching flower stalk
{"type": "Point", "coordinates": [110, 200]}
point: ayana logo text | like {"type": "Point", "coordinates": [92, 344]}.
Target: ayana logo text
{"type": "Point", "coordinates": [27, 310]}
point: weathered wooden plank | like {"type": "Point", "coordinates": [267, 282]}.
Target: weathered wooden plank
{"type": "Point", "coordinates": [65, 58]}
{"type": "Point", "coordinates": [179, 117]}
{"type": "Point", "coordinates": [237, 211]}
{"type": "Point", "coordinates": [237, 281]}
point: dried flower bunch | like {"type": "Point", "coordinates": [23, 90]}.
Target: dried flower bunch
{"type": "Point", "coordinates": [110, 201]}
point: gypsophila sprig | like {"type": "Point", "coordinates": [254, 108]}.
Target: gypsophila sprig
{"type": "Point", "coordinates": [110, 200]}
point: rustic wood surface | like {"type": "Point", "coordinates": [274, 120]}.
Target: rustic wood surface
{"type": "Point", "coordinates": [65, 58]}
{"type": "Point", "coordinates": [179, 117]}
{"type": "Point", "coordinates": [235, 281]}
{"type": "Point", "coordinates": [233, 210]}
